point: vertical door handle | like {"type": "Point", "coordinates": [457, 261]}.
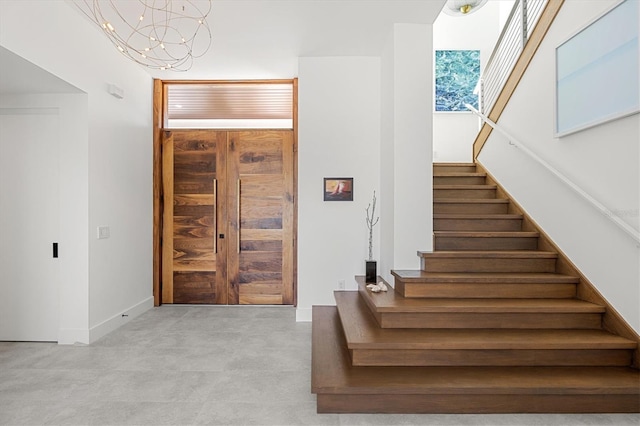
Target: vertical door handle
{"type": "Point", "coordinates": [238, 214]}
{"type": "Point", "coordinates": [215, 215]}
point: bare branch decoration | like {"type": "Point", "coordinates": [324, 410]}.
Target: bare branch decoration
{"type": "Point", "coordinates": [371, 223]}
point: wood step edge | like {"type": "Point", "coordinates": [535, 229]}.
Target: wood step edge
{"type": "Point", "coordinates": [455, 164]}
{"type": "Point", "coordinates": [362, 332]}
{"type": "Point", "coordinates": [392, 302]}
{"type": "Point", "coordinates": [420, 276]}
{"type": "Point", "coordinates": [331, 373]}
{"type": "Point", "coordinates": [505, 254]}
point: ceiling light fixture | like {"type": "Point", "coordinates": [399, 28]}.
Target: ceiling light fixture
{"type": "Point", "coordinates": [462, 7]}
{"type": "Point", "coordinates": [159, 34]}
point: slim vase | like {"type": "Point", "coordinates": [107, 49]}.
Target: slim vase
{"type": "Point", "coordinates": [371, 271]}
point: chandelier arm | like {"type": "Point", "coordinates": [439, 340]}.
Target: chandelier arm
{"type": "Point", "coordinates": [160, 34]}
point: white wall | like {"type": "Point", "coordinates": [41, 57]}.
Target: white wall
{"type": "Point", "coordinates": [338, 136]}
{"type": "Point", "coordinates": [111, 159]}
{"type": "Point", "coordinates": [602, 160]}
{"type": "Point", "coordinates": [412, 143]}
{"type": "Point", "coordinates": [367, 118]}
{"type": "Point", "coordinates": [406, 147]}
{"type": "Point", "coordinates": [387, 155]}
{"type": "Point", "coordinates": [454, 132]}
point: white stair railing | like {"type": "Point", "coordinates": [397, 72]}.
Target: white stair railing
{"type": "Point", "coordinates": [595, 203]}
{"type": "Point", "coordinates": [522, 19]}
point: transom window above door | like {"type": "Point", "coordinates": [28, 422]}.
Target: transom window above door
{"type": "Point", "coordinates": [230, 105]}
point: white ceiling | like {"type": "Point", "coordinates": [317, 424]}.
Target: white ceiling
{"type": "Point", "coordinates": [19, 76]}
{"type": "Point", "coordinates": [262, 39]}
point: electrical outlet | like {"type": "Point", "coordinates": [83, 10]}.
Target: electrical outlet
{"type": "Point", "coordinates": [340, 284]}
{"type": "Point", "coordinates": [103, 232]}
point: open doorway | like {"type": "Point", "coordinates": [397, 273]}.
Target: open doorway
{"type": "Point", "coordinates": [40, 115]}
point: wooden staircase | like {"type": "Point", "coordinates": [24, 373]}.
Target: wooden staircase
{"type": "Point", "coordinates": [491, 323]}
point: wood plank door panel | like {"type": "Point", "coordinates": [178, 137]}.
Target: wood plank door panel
{"type": "Point", "coordinates": [228, 221]}
{"type": "Point", "coordinates": [261, 217]}
{"type": "Point", "coordinates": [194, 249]}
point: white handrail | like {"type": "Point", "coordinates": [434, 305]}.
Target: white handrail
{"type": "Point", "coordinates": [599, 206]}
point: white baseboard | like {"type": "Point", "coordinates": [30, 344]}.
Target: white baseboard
{"type": "Point", "coordinates": [303, 314]}
{"type": "Point", "coordinates": [118, 320]}
{"type": "Point", "coordinates": [71, 336]}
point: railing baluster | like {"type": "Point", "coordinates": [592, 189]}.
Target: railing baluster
{"type": "Point", "coordinates": [514, 36]}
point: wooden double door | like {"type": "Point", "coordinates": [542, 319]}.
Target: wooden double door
{"type": "Point", "coordinates": [228, 219]}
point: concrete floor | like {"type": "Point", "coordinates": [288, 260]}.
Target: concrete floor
{"type": "Point", "coordinates": [204, 365]}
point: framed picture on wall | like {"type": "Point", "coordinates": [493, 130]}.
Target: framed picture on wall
{"type": "Point", "coordinates": [457, 73]}
{"type": "Point", "coordinates": [338, 189]}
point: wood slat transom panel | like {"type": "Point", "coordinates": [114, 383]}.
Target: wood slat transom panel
{"type": "Point", "coordinates": [230, 101]}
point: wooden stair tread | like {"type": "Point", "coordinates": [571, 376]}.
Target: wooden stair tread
{"type": "Point", "coordinates": [390, 301]}
{"type": "Point", "coordinates": [486, 234]}
{"type": "Point", "coordinates": [362, 332]}
{"type": "Point", "coordinates": [514, 254]}
{"type": "Point", "coordinates": [483, 277]}
{"type": "Point", "coordinates": [332, 373]}
{"type": "Point", "coordinates": [456, 174]}
{"type": "Point", "coordinates": [472, 200]}
{"type": "Point", "coordinates": [477, 216]}
{"type": "Point", "coordinates": [465, 186]}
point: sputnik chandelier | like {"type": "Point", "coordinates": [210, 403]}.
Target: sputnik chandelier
{"type": "Point", "coordinates": [159, 34]}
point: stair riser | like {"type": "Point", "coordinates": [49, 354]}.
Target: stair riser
{"type": "Point", "coordinates": [386, 401]}
{"type": "Point", "coordinates": [464, 194]}
{"type": "Point", "coordinates": [485, 243]}
{"type": "Point", "coordinates": [497, 357]}
{"type": "Point", "coordinates": [487, 265]}
{"type": "Point", "coordinates": [443, 168]}
{"type": "Point", "coordinates": [467, 208]}
{"type": "Point", "coordinates": [503, 225]}
{"type": "Point", "coordinates": [459, 180]}
{"type": "Point", "coordinates": [528, 320]}
{"type": "Point", "coordinates": [485, 290]}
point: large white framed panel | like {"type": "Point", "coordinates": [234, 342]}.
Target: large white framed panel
{"type": "Point", "coordinates": [597, 71]}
